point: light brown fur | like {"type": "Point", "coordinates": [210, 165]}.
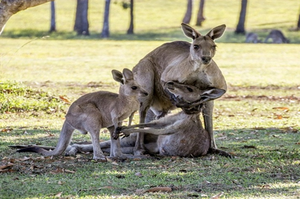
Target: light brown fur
{"type": "Point", "coordinates": [173, 135]}
{"type": "Point", "coordinates": [183, 62]}
{"type": "Point", "coordinates": [94, 111]}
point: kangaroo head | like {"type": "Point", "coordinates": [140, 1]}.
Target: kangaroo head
{"type": "Point", "coordinates": [129, 86]}
{"type": "Point", "coordinates": [203, 48]}
{"type": "Point", "coordinates": [183, 94]}
{"type": "Point", "coordinates": [188, 93]}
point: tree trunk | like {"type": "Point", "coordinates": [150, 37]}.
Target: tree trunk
{"type": "Point", "coordinates": [81, 25]}
{"type": "Point", "coordinates": [188, 14]}
{"type": "Point", "coordinates": [240, 29]}
{"type": "Point", "coordinates": [200, 15]}
{"type": "Point", "coordinates": [130, 29]}
{"type": "Point", "coordinates": [105, 29]}
{"type": "Point", "coordinates": [11, 7]}
{"type": "Point", "coordinates": [298, 24]}
{"type": "Point", "coordinates": [52, 23]}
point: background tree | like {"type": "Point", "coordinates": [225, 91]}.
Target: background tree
{"type": "Point", "coordinates": [188, 14]}
{"type": "Point", "coordinates": [81, 25]}
{"type": "Point", "coordinates": [200, 15]}
{"type": "Point", "coordinates": [105, 29]}
{"type": "Point", "coordinates": [52, 22]}
{"type": "Point", "coordinates": [298, 24]}
{"type": "Point", "coordinates": [130, 29]}
{"type": "Point", "coordinates": [11, 7]}
{"type": "Point", "coordinates": [240, 29]}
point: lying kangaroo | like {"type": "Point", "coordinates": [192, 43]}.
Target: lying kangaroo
{"type": "Point", "coordinates": [175, 135]}
{"type": "Point", "coordinates": [252, 37]}
{"type": "Point", "coordinates": [94, 111]}
{"type": "Point", "coordinates": [277, 37]}
{"type": "Point", "coordinates": [183, 62]}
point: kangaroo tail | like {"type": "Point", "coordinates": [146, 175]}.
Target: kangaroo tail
{"type": "Point", "coordinates": [63, 142]}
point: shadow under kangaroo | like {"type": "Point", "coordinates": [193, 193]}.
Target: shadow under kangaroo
{"type": "Point", "coordinates": [179, 134]}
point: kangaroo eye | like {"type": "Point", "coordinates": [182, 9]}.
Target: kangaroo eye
{"type": "Point", "coordinates": [189, 89]}
{"type": "Point", "coordinates": [214, 47]}
{"type": "Point", "coordinates": [196, 47]}
{"type": "Point", "coordinates": [134, 87]}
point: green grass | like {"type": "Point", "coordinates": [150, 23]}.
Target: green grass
{"type": "Point", "coordinates": [257, 120]}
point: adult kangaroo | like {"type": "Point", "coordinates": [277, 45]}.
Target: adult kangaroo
{"type": "Point", "coordinates": [97, 110]}
{"type": "Point", "coordinates": [182, 62]}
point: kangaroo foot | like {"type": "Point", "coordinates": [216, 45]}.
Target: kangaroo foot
{"type": "Point", "coordinates": [219, 152]}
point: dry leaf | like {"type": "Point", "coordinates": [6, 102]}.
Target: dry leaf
{"type": "Point", "coordinates": [138, 174]}
{"type": "Point", "coordinates": [159, 189]}
{"type": "Point", "coordinates": [64, 99]}
{"type": "Point", "coordinates": [107, 187]}
{"type": "Point", "coordinates": [217, 196]}
{"type": "Point", "coordinates": [278, 117]}
{"type": "Point", "coordinates": [58, 195]}
{"type": "Point", "coordinates": [69, 171]}
{"type": "Point", "coordinates": [5, 168]}
{"type": "Point", "coordinates": [281, 108]}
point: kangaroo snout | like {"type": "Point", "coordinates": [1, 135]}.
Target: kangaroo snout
{"type": "Point", "coordinates": [206, 59]}
{"type": "Point", "coordinates": [143, 94]}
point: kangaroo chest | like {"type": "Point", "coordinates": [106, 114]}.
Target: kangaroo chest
{"type": "Point", "coordinates": [200, 79]}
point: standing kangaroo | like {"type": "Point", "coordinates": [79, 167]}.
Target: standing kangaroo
{"type": "Point", "coordinates": [183, 62]}
{"type": "Point", "coordinates": [97, 110]}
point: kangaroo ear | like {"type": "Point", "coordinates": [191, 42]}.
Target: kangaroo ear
{"type": "Point", "coordinates": [189, 31]}
{"type": "Point", "coordinates": [118, 76]}
{"type": "Point", "coordinates": [127, 74]}
{"type": "Point", "coordinates": [216, 32]}
{"type": "Point", "coordinates": [213, 93]}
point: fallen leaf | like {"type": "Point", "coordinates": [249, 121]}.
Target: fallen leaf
{"type": "Point", "coordinates": [138, 174]}
{"type": "Point", "coordinates": [60, 182]}
{"type": "Point", "coordinates": [159, 189]}
{"type": "Point", "coordinates": [107, 187]}
{"type": "Point", "coordinates": [279, 117]}
{"type": "Point", "coordinates": [139, 191]}
{"type": "Point", "coordinates": [217, 196]}
{"type": "Point", "coordinates": [64, 99]}
{"type": "Point", "coordinates": [6, 130]}
{"type": "Point", "coordinates": [281, 108]}
{"type": "Point", "coordinates": [58, 195]}
{"type": "Point", "coordinates": [5, 168]}
{"type": "Point", "coordinates": [69, 171]}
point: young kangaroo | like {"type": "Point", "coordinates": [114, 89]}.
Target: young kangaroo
{"type": "Point", "coordinates": [94, 111]}
{"type": "Point", "coordinates": [183, 62]}
{"type": "Point", "coordinates": [277, 37]}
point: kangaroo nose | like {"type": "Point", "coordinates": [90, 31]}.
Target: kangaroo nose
{"type": "Point", "coordinates": [205, 60]}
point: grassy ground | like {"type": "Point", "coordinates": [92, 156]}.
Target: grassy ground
{"type": "Point", "coordinates": [257, 120]}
